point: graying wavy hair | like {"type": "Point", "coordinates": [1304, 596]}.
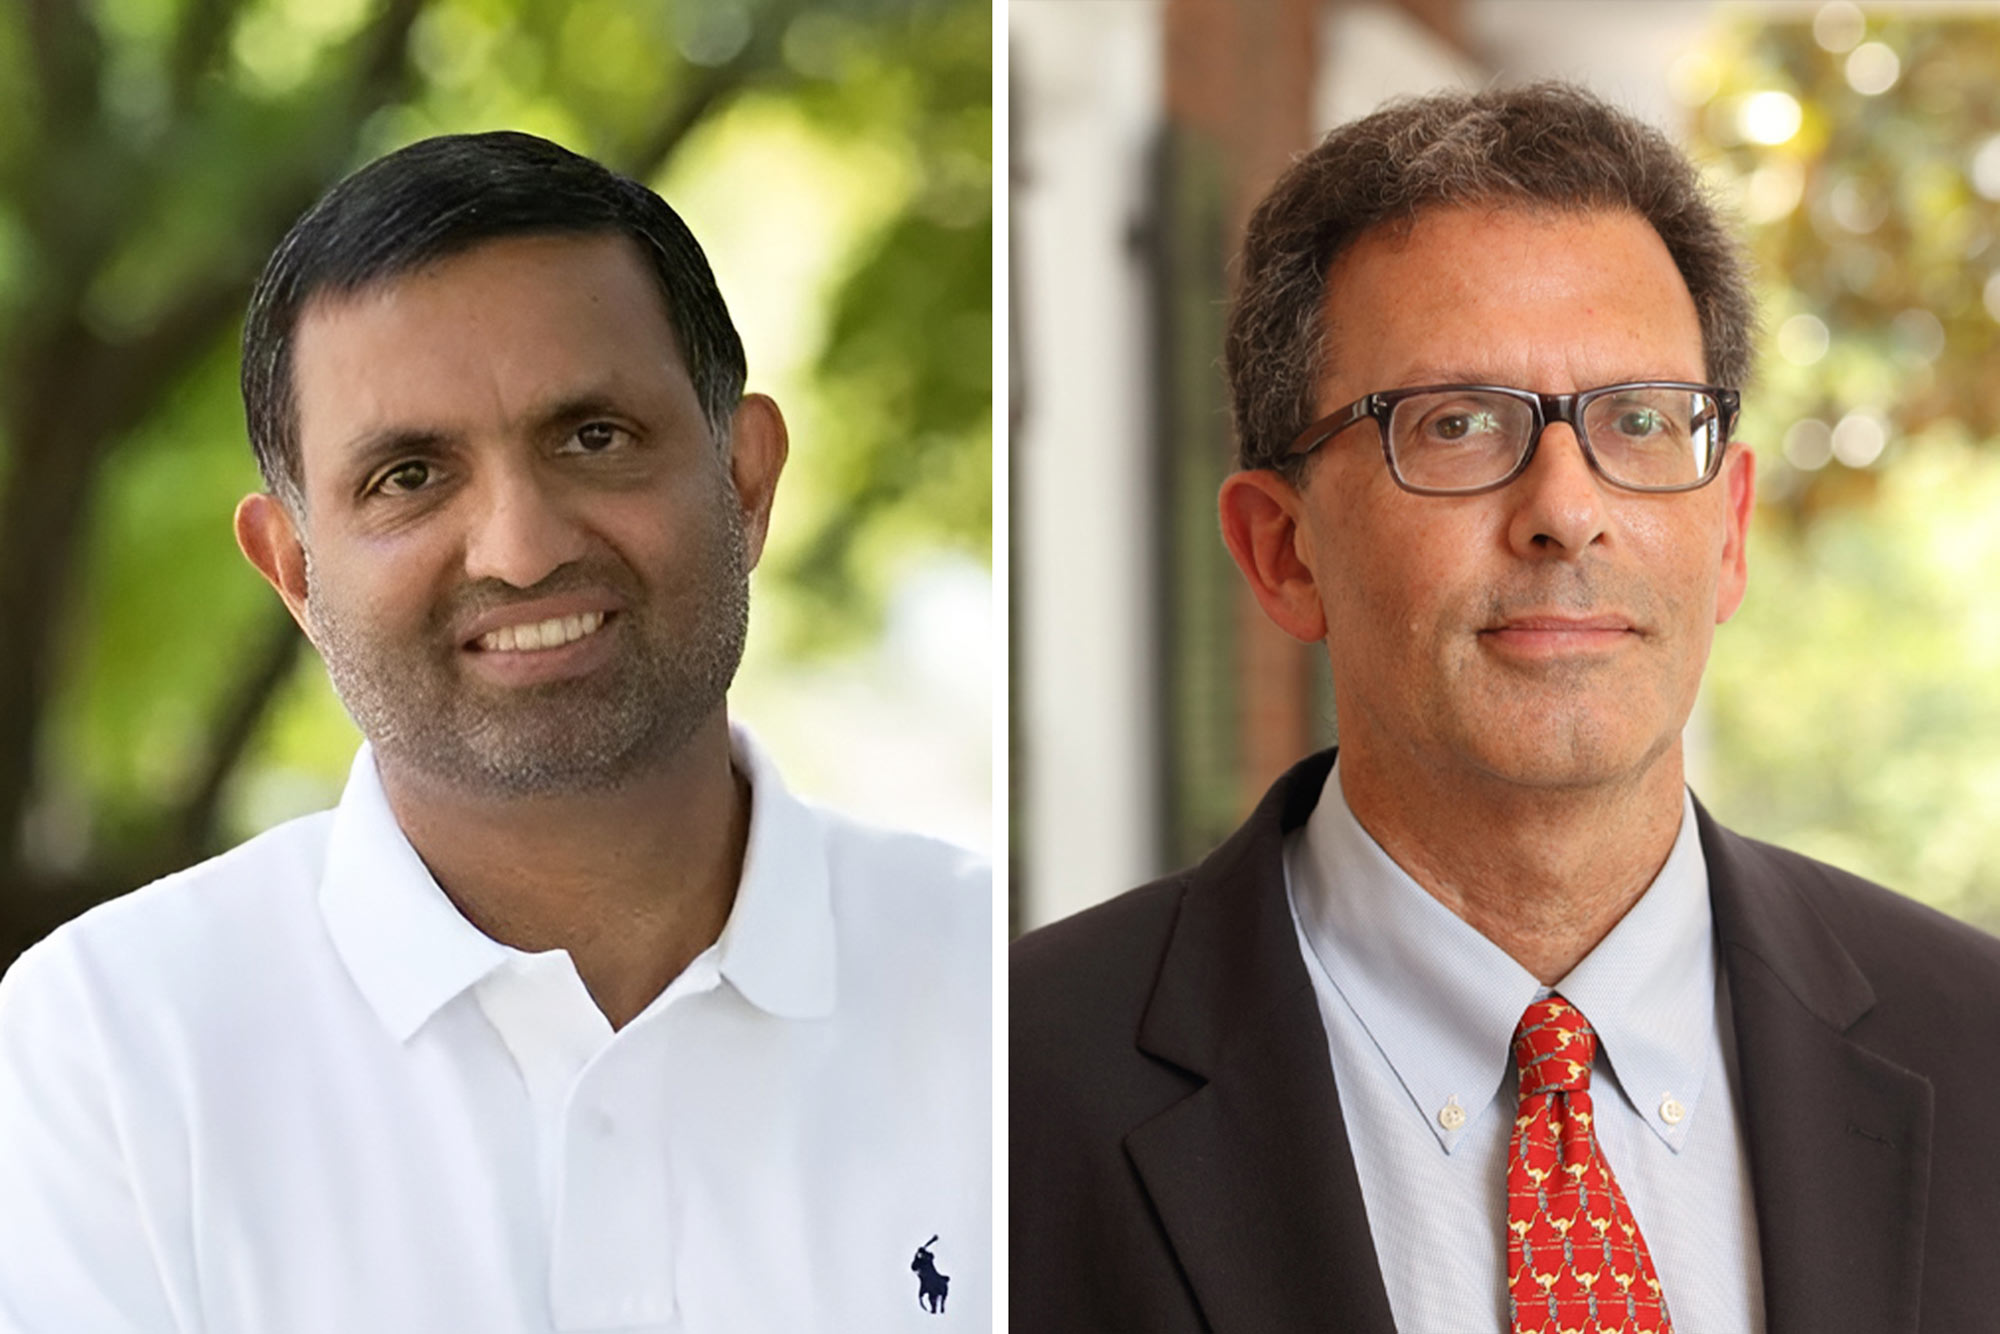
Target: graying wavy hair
{"type": "Point", "coordinates": [1545, 145]}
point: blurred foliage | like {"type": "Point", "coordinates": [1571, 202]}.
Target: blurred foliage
{"type": "Point", "coordinates": [903, 453]}
{"type": "Point", "coordinates": [154, 703]}
{"type": "Point", "coordinates": [1874, 223]}
{"type": "Point", "coordinates": [1854, 702]}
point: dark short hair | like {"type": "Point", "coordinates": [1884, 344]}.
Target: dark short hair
{"type": "Point", "coordinates": [440, 197]}
{"type": "Point", "coordinates": [1544, 145]}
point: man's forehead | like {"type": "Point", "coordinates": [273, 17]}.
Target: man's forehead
{"type": "Point", "coordinates": [1486, 292]}
{"type": "Point", "coordinates": [576, 284]}
{"type": "Point", "coordinates": [605, 251]}
{"type": "Point", "coordinates": [501, 328]}
{"type": "Point", "coordinates": [1522, 225]}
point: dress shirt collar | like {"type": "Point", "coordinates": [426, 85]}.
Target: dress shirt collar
{"type": "Point", "coordinates": [1441, 1000]}
{"type": "Point", "coordinates": [410, 951]}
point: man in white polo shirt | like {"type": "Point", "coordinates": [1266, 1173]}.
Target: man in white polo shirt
{"type": "Point", "coordinates": [569, 1017]}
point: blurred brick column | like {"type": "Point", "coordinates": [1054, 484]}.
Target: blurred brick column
{"type": "Point", "coordinates": [1239, 77]}
{"type": "Point", "coordinates": [1240, 80]}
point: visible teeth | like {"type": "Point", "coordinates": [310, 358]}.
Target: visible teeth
{"type": "Point", "coordinates": [552, 633]}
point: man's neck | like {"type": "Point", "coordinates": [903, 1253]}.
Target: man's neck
{"type": "Point", "coordinates": [633, 882]}
{"type": "Point", "coordinates": [1544, 874]}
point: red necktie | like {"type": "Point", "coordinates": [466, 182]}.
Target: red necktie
{"type": "Point", "coordinates": [1576, 1263]}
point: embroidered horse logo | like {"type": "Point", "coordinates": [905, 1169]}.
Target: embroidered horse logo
{"type": "Point", "coordinates": [931, 1285]}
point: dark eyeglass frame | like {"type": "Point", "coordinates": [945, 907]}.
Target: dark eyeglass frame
{"type": "Point", "coordinates": [1565, 408]}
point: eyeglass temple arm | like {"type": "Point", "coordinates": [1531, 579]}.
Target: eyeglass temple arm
{"type": "Point", "coordinates": [1323, 430]}
{"type": "Point", "coordinates": [1728, 403]}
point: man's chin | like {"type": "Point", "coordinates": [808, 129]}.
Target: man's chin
{"type": "Point", "coordinates": [518, 769]}
{"type": "Point", "coordinates": [1571, 754]}
{"type": "Point", "coordinates": [538, 748]}
{"type": "Point", "coordinates": [566, 736]}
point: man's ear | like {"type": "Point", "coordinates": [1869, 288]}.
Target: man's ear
{"type": "Point", "coordinates": [1739, 476]}
{"type": "Point", "coordinates": [758, 448]}
{"type": "Point", "coordinates": [269, 539]}
{"type": "Point", "coordinates": [1260, 524]}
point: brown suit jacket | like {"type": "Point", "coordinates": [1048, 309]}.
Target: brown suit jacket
{"type": "Point", "coordinates": [1179, 1163]}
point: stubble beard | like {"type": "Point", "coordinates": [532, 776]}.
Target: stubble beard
{"type": "Point", "coordinates": [1569, 725]}
{"type": "Point", "coordinates": [420, 711]}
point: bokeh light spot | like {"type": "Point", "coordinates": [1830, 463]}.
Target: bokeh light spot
{"type": "Point", "coordinates": [1839, 27]}
{"type": "Point", "coordinates": [1919, 335]}
{"type": "Point", "coordinates": [1872, 69]}
{"type": "Point", "coordinates": [1694, 79]}
{"type": "Point", "coordinates": [1803, 339]}
{"type": "Point", "coordinates": [1860, 438]}
{"type": "Point", "coordinates": [1770, 117]}
{"type": "Point", "coordinates": [1773, 191]}
{"type": "Point", "coordinates": [1986, 167]}
{"type": "Point", "coordinates": [1857, 207]}
{"type": "Point", "coordinates": [1809, 444]}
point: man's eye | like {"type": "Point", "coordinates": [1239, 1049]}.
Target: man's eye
{"type": "Point", "coordinates": [594, 438]}
{"type": "Point", "coordinates": [403, 478]}
{"type": "Point", "coordinates": [1457, 426]}
{"type": "Point", "coordinates": [1640, 422]}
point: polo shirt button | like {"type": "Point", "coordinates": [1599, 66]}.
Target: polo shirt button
{"type": "Point", "coordinates": [1671, 1110]}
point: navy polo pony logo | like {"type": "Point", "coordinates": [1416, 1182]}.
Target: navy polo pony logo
{"type": "Point", "coordinates": [931, 1285]}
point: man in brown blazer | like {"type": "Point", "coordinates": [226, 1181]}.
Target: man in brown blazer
{"type": "Point", "coordinates": [1485, 364]}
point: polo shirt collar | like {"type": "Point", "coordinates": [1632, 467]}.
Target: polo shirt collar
{"type": "Point", "coordinates": [778, 946]}
{"type": "Point", "coordinates": [411, 952]}
{"type": "Point", "coordinates": [1441, 1001]}
{"type": "Point", "coordinates": [405, 944]}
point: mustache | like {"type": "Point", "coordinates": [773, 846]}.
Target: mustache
{"type": "Point", "coordinates": [477, 597]}
{"type": "Point", "coordinates": [1577, 593]}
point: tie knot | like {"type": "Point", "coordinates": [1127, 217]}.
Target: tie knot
{"type": "Point", "coordinates": [1553, 1047]}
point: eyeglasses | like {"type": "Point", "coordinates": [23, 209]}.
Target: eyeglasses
{"type": "Point", "coordinates": [1461, 439]}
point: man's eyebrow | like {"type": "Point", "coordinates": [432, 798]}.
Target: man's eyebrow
{"type": "Point", "coordinates": [370, 449]}
{"type": "Point", "coordinates": [581, 407]}
{"type": "Point", "coordinates": [380, 444]}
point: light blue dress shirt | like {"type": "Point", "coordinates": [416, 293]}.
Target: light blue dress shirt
{"type": "Point", "coordinates": [1420, 1010]}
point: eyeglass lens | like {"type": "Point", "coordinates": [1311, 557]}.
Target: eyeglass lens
{"type": "Point", "coordinates": [1642, 437]}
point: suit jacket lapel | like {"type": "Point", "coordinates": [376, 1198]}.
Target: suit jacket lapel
{"type": "Point", "coordinates": [1839, 1136]}
{"type": "Point", "coordinates": [1251, 1174]}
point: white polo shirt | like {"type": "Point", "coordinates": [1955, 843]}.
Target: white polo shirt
{"type": "Point", "coordinates": [292, 1090]}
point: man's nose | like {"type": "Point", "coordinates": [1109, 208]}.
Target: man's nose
{"type": "Point", "coordinates": [518, 530]}
{"type": "Point", "coordinates": [1560, 503]}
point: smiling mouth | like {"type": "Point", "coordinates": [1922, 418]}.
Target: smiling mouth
{"type": "Point", "coordinates": [538, 636]}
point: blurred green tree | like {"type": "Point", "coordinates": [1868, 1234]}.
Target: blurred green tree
{"type": "Point", "coordinates": [1868, 167]}
{"type": "Point", "coordinates": [1853, 708]}
{"type": "Point", "coordinates": [152, 152]}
